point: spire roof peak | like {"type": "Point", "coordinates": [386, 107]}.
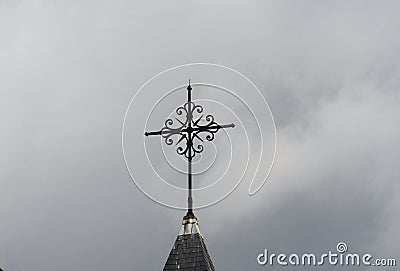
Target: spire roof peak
{"type": "Point", "coordinates": [189, 251]}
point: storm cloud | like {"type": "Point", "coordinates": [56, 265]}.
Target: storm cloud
{"type": "Point", "coordinates": [329, 70]}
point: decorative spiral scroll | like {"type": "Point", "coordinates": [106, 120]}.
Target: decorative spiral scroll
{"type": "Point", "coordinates": [188, 132]}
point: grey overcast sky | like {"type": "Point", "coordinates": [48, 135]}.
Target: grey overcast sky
{"type": "Point", "coordinates": [68, 69]}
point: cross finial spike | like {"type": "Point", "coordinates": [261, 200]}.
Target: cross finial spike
{"type": "Point", "coordinates": [189, 87]}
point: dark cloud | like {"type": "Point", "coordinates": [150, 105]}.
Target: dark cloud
{"type": "Point", "coordinates": [330, 72]}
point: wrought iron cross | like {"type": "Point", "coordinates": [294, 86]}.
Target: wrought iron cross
{"type": "Point", "coordinates": [189, 134]}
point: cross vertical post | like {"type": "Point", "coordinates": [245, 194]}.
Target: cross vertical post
{"type": "Point", "coordinates": [190, 141]}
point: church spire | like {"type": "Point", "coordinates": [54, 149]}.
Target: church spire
{"type": "Point", "coordinates": [189, 251]}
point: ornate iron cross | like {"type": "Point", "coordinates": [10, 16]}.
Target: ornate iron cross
{"type": "Point", "coordinates": [189, 134]}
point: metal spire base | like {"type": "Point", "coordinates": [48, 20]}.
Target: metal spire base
{"type": "Point", "coordinates": [190, 225]}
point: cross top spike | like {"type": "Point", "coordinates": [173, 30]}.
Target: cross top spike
{"type": "Point", "coordinates": [189, 135]}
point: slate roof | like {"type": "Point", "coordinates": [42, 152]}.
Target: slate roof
{"type": "Point", "coordinates": [189, 251]}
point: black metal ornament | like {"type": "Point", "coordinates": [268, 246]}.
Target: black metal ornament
{"type": "Point", "coordinates": [189, 134]}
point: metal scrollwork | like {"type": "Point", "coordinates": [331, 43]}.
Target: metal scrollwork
{"type": "Point", "coordinates": [189, 129]}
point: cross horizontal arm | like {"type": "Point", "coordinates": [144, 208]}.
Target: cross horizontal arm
{"type": "Point", "coordinates": [223, 126]}
{"type": "Point", "coordinates": [211, 127]}
{"type": "Point", "coordinates": [153, 133]}
{"type": "Point", "coordinates": [164, 132]}
{"type": "Point", "coordinates": [194, 129]}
